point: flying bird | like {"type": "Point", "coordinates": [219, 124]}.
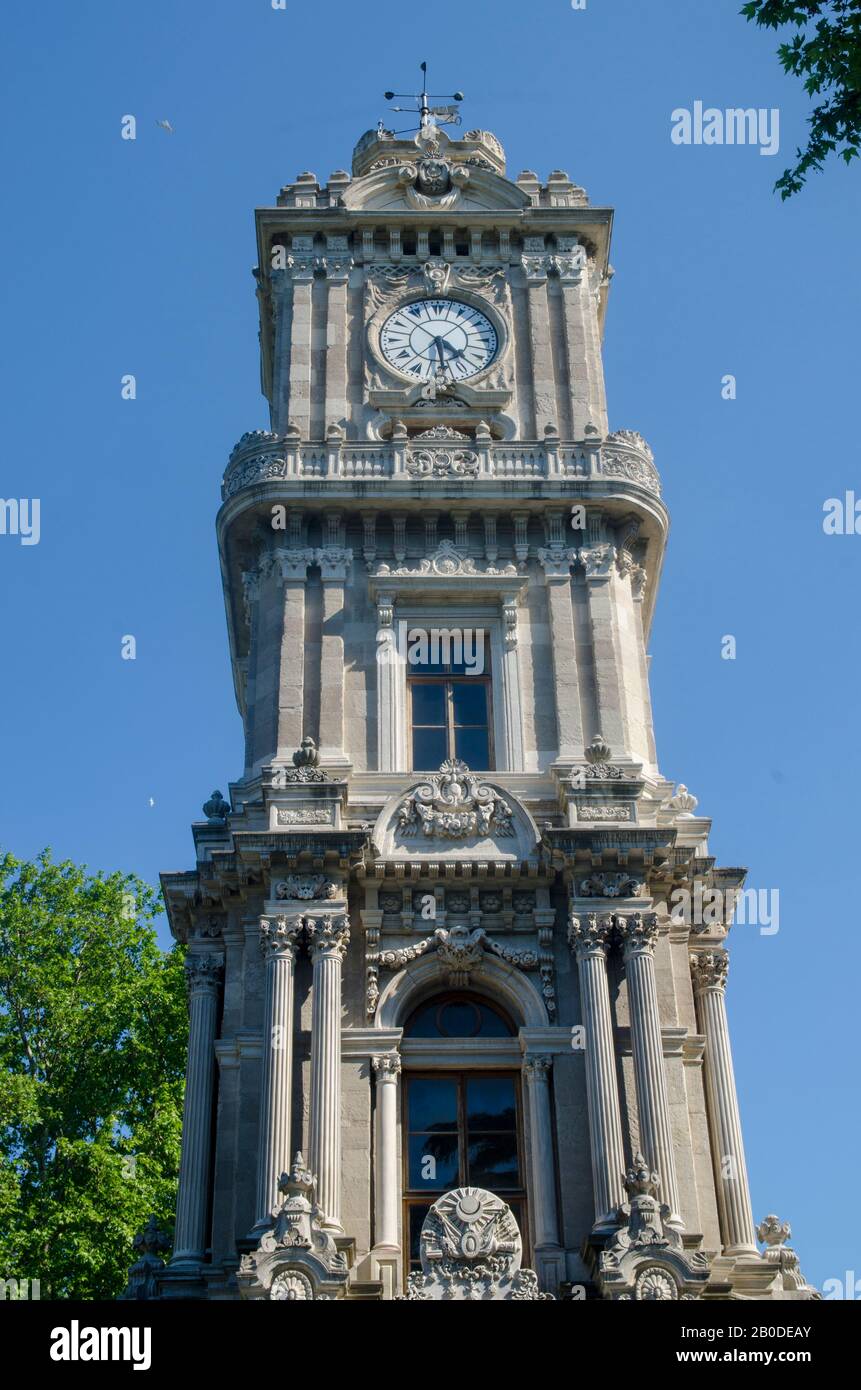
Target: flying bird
{"type": "Point", "coordinates": [166, 125]}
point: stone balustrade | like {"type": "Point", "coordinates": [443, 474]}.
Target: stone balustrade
{"type": "Point", "coordinates": [260, 457]}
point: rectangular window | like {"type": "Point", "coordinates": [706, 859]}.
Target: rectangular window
{"type": "Point", "coordinates": [450, 709]}
{"type": "Point", "coordinates": [460, 1129]}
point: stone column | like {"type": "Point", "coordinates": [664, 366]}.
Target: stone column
{"type": "Point", "coordinates": [278, 938]}
{"type": "Point", "coordinates": [557, 561]}
{"type": "Point", "coordinates": [294, 562]}
{"type": "Point", "coordinates": [709, 972]}
{"type": "Point", "coordinates": [638, 932]}
{"type": "Point", "coordinates": [203, 974]}
{"type": "Point", "coordinates": [536, 1071]}
{"type": "Point", "coordinates": [589, 938]}
{"type": "Point", "coordinates": [387, 1070]}
{"type": "Point", "coordinates": [334, 562]}
{"type": "Point", "coordinates": [328, 936]}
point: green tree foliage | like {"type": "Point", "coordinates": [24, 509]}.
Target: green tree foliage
{"type": "Point", "coordinates": [826, 53]}
{"type": "Point", "coordinates": [93, 1032]}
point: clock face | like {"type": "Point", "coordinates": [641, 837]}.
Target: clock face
{"type": "Point", "coordinates": [429, 336]}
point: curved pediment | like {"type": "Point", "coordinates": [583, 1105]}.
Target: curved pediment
{"type": "Point", "coordinates": [455, 814]}
{"type": "Point", "coordinates": [404, 186]}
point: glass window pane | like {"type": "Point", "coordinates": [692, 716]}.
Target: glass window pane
{"type": "Point", "coordinates": [423, 1023]}
{"type": "Point", "coordinates": [418, 1212]}
{"type": "Point", "coordinates": [470, 702]}
{"type": "Point", "coordinates": [428, 703]}
{"type": "Point", "coordinates": [493, 1025]}
{"type": "Point", "coordinates": [432, 1103]}
{"type": "Point", "coordinates": [492, 1160]}
{"type": "Point", "coordinates": [430, 749]}
{"type": "Point", "coordinates": [460, 1020]}
{"type": "Point", "coordinates": [490, 1103]}
{"type": "Point", "coordinates": [433, 1020]}
{"type": "Point", "coordinates": [434, 1162]}
{"type": "Point", "coordinates": [471, 745]}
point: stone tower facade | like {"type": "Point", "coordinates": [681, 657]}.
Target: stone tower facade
{"type": "Point", "coordinates": [451, 1035]}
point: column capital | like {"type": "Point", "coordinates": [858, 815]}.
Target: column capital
{"type": "Point", "coordinates": [203, 974]}
{"type": "Point", "coordinates": [556, 561]}
{"type": "Point", "coordinates": [709, 970]}
{"type": "Point", "coordinates": [589, 934]}
{"type": "Point", "coordinates": [279, 936]}
{"type": "Point", "coordinates": [388, 1066]}
{"type": "Point", "coordinates": [535, 261]}
{"type": "Point", "coordinates": [537, 1069]}
{"type": "Point", "coordinates": [598, 561]}
{"type": "Point", "coordinates": [637, 932]}
{"type": "Point", "coordinates": [328, 936]}
{"type": "Point", "coordinates": [334, 561]}
{"type": "Point", "coordinates": [294, 563]}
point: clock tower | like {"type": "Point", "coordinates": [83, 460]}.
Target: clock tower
{"type": "Point", "coordinates": [446, 1002]}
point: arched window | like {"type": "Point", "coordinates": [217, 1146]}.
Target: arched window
{"type": "Point", "coordinates": [458, 1016]}
{"type": "Point", "coordinates": [461, 1126]}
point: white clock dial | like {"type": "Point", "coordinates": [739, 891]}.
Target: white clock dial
{"type": "Point", "coordinates": [429, 336]}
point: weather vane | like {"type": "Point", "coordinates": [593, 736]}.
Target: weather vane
{"type": "Point", "coordinates": [429, 116]}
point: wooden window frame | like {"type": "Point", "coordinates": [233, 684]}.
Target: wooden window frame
{"type": "Point", "coordinates": [445, 679]}
{"type": "Point", "coordinates": [517, 1197]}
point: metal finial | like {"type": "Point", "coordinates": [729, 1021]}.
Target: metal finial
{"type": "Point", "coordinates": [429, 116]}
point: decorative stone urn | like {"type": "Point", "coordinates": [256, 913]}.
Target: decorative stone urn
{"type": "Point", "coordinates": [646, 1259]}
{"type": "Point", "coordinates": [296, 1258]}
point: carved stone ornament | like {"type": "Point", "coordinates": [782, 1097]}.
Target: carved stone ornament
{"type": "Point", "coordinates": [630, 439]}
{"type": "Point", "coordinates": [791, 1283]}
{"type": "Point", "coordinates": [609, 886]}
{"type": "Point", "coordinates": [646, 1260]}
{"type": "Point", "coordinates": [589, 811]}
{"type": "Point", "coordinates": [149, 1244]}
{"type": "Point", "coordinates": [203, 973]}
{"type": "Point", "coordinates": [296, 1257]}
{"type": "Point", "coordinates": [442, 463]}
{"type": "Point", "coordinates": [598, 766]}
{"type": "Point", "coordinates": [432, 182]}
{"type": "Point", "coordinates": [460, 951]}
{"type": "Point", "coordinates": [471, 1252]}
{"type": "Point", "coordinates": [216, 808]}
{"type": "Point", "coordinates": [446, 561]}
{"type": "Point", "coordinates": [683, 802]}
{"type": "Point", "coordinates": [436, 272]}
{"type": "Point", "coordinates": [301, 816]}
{"type": "Point", "coordinates": [306, 887]}
{"type": "Point", "coordinates": [453, 806]}
{"type": "Point", "coordinates": [304, 769]}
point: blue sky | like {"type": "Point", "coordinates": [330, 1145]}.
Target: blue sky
{"type": "Point", "coordinates": [136, 256]}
